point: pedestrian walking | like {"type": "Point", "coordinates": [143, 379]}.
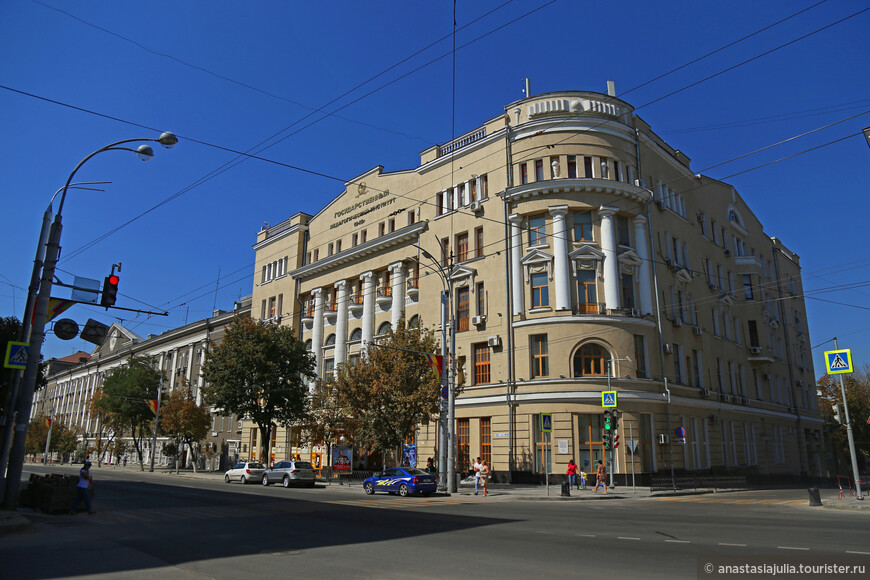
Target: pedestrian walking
{"type": "Point", "coordinates": [601, 477]}
{"type": "Point", "coordinates": [430, 465]}
{"type": "Point", "coordinates": [484, 475]}
{"type": "Point", "coordinates": [476, 475]}
{"type": "Point", "coordinates": [125, 461]}
{"type": "Point", "coordinates": [84, 488]}
{"type": "Point", "coordinates": [582, 478]}
{"type": "Point", "coordinates": [572, 475]}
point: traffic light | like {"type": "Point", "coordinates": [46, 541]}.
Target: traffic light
{"type": "Point", "coordinates": [606, 438]}
{"type": "Point", "coordinates": [608, 420]}
{"type": "Point", "coordinates": [110, 290]}
{"type": "Point", "coordinates": [615, 441]}
{"type": "Point", "coordinates": [614, 420]}
{"type": "Point", "coordinates": [837, 417]}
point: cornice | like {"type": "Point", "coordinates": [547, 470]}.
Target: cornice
{"type": "Point", "coordinates": [578, 185]}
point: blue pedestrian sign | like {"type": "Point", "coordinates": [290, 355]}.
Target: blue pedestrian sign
{"type": "Point", "coordinates": [838, 361]}
{"type": "Point", "coordinates": [16, 355]}
{"type": "Point", "coordinates": [608, 398]}
{"type": "Point", "coordinates": [546, 422]}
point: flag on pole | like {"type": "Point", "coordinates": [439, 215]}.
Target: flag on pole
{"type": "Point", "coordinates": [435, 360]}
{"type": "Point", "coordinates": [47, 422]}
{"type": "Point", "coordinates": [152, 404]}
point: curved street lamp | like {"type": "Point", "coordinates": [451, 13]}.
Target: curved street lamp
{"type": "Point", "coordinates": [24, 399]}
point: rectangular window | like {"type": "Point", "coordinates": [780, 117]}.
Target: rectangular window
{"type": "Point", "coordinates": [622, 231]}
{"type": "Point", "coordinates": [272, 307]}
{"type": "Point", "coordinates": [540, 356]}
{"type": "Point", "coordinates": [753, 333]}
{"type": "Point", "coordinates": [462, 308]}
{"type": "Point", "coordinates": [678, 372]}
{"type": "Point", "coordinates": [572, 166]}
{"type": "Point", "coordinates": [696, 368]}
{"type": "Point", "coordinates": [628, 291]}
{"type": "Point", "coordinates": [280, 304]}
{"type": "Point", "coordinates": [537, 230]}
{"type": "Point", "coordinates": [412, 217]}
{"type": "Point", "coordinates": [640, 356]}
{"type": "Point", "coordinates": [316, 254]}
{"type": "Point", "coordinates": [540, 290]}
{"type": "Point", "coordinates": [539, 170]}
{"type": "Point", "coordinates": [587, 167]}
{"type": "Point", "coordinates": [486, 439]}
{"type": "Point", "coordinates": [440, 203]}
{"type": "Point", "coordinates": [524, 173]}
{"type": "Point", "coordinates": [587, 296]}
{"type": "Point", "coordinates": [392, 224]}
{"type": "Point", "coordinates": [329, 249]}
{"type": "Point", "coordinates": [463, 444]}
{"type": "Point", "coordinates": [354, 240]}
{"type": "Point", "coordinates": [747, 286]}
{"type": "Point", "coordinates": [478, 242]}
{"type": "Point", "coordinates": [462, 247]}
{"type": "Point", "coordinates": [484, 188]}
{"type": "Point", "coordinates": [616, 171]}
{"type": "Point", "coordinates": [263, 311]}
{"type": "Point", "coordinates": [583, 226]}
{"type": "Point", "coordinates": [363, 236]}
{"type": "Point", "coordinates": [473, 187]}
{"type": "Point", "coordinates": [481, 364]}
{"type": "Point", "coordinates": [481, 302]}
{"type": "Point", "coordinates": [381, 229]}
{"type": "Point", "coordinates": [445, 251]}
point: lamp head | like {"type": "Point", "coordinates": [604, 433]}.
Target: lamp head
{"type": "Point", "coordinates": [427, 254]}
{"type": "Point", "coordinates": [168, 140]}
{"type": "Point", "coordinates": [144, 152]}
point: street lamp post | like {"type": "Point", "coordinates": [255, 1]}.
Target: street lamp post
{"type": "Point", "coordinates": [52, 252]}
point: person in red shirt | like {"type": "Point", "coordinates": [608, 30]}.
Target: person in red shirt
{"type": "Point", "coordinates": [572, 475]}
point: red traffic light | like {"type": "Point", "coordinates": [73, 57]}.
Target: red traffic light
{"type": "Point", "coordinates": [114, 279]}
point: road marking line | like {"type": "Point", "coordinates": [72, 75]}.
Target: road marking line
{"type": "Point", "coordinates": [585, 535]}
{"type": "Point", "coordinates": [854, 552]}
{"type": "Point", "coordinates": [626, 538]}
{"type": "Point", "coordinates": [544, 532]}
{"type": "Point", "coordinates": [724, 544]}
{"type": "Point", "coordinates": [679, 541]}
{"type": "Point", "coordinates": [791, 548]}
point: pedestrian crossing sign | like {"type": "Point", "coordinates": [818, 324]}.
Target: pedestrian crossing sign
{"type": "Point", "coordinates": [546, 422]}
{"type": "Point", "coordinates": [608, 398]}
{"type": "Point", "coordinates": [838, 361]}
{"type": "Point", "coordinates": [16, 355]}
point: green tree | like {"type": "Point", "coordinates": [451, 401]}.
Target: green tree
{"type": "Point", "coordinates": [258, 372]}
{"type": "Point", "coordinates": [857, 386]}
{"type": "Point", "coordinates": [185, 421]}
{"type": "Point", "coordinates": [392, 390]}
{"type": "Point", "coordinates": [64, 439]}
{"type": "Point", "coordinates": [106, 427]}
{"type": "Point", "coordinates": [37, 431]}
{"type": "Point", "coordinates": [124, 394]}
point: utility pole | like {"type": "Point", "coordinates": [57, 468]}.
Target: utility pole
{"type": "Point", "coordinates": [856, 475]}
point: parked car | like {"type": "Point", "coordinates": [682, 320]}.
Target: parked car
{"type": "Point", "coordinates": [401, 480]}
{"type": "Point", "coordinates": [290, 473]}
{"type": "Point", "coordinates": [245, 472]}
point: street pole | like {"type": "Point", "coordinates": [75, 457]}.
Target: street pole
{"type": "Point", "coordinates": [156, 416]}
{"type": "Point", "coordinates": [442, 416]}
{"type": "Point", "coordinates": [632, 448]}
{"type": "Point", "coordinates": [856, 475]}
{"type": "Point", "coordinates": [15, 464]}
{"type": "Point", "coordinates": [610, 451]}
{"type": "Point", "coordinates": [451, 418]}
{"type": "Point", "coordinates": [48, 436]}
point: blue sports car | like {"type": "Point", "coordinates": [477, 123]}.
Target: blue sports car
{"type": "Point", "coordinates": [401, 480]}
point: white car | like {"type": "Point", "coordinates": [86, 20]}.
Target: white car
{"type": "Point", "coordinates": [245, 472]}
{"type": "Point", "coordinates": [290, 473]}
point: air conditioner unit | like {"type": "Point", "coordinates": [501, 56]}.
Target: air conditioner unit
{"type": "Point", "coordinates": [478, 320]}
{"type": "Point", "coordinates": [755, 349]}
{"type": "Point", "coordinates": [711, 286]}
{"type": "Point", "coordinates": [494, 340]}
{"type": "Point", "coordinates": [726, 251]}
{"type": "Point", "coordinates": [660, 204]}
{"type": "Point", "coordinates": [668, 348]}
{"type": "Point", "coordinates": [214, 433]}
{"type": "Point", "coordinates": [635, 312]}
{"type": "Point", "coordinates": [713, 419]}
{"type": "Point", "coordinates": [677, 321]}
{"type": "Point", "coordinates": [744, 401]}
{"type": "Point", "coordinates": [640, 183]}
{"type": "Point", "coordinates": [696, 330]}
{"type": "Point", "coordinates": [475, 206]}
{"type": "Point", "coordinates": [725, 397]}
{"type": "Point", "coordinates": [663, 438]}
{"type": "Point", "coordinates": [766, 376]}
{"type": "Point", "coordinates": [705, 392]}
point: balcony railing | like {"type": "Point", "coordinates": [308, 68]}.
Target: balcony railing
{"type": "Point", "coordinates": [591, 308]}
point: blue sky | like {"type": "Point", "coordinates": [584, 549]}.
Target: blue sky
{"type": "Point", "coordinates": [230, 75]}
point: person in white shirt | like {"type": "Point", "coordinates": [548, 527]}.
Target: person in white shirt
{"type": "Point", "coordinates": [83, 488]}
{"type": "Point", "coordinates": [476, 475]}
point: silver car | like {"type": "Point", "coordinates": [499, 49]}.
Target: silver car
{"type": "Point", "coordinates": [290, 473]}
{"type": "Point", "coordinates": [245, 472]}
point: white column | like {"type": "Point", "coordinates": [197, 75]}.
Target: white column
{"type": "Point", "coordinates": [368, 323]}
{"type": "Point", "coordinates": [645, 269]}
{"type": "Point", "coordinates": [560, 257]}
{"type": "Point", "coordinates": [611, 265]}
{"type": "Point", "coordinates": [189, 373]}
{"type": "Point", "coordinates": [317, 330]}
{"type": "Point", "coordinates": [517, 287]}
{"type": "Point", "coordinates": [397, 275]}
{"type": "Point", "coordinates": [341, 322]}
{"type": "Point", "coordinates": [172, 370]}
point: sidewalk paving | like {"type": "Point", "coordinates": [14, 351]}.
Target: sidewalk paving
{"type": "Point", "coordinates": [16, 521]}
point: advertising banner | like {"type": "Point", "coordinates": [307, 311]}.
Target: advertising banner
{"type": "Point", "coordinates": [342, 459]}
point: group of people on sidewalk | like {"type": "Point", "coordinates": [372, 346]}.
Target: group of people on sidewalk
{"type": "Point", "coordinates": [481, 475]}
{"type": "Point", "coordinates": [600, 476]}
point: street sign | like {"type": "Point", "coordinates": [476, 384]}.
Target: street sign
{"type": "Point", "coordinates": [66, 329]}
{"type": "Point", "coordinates": [445, 393]}
{"type": "Point", "coordinates": [16, 355]}
{"type": "Point", "coordinates": [608, 398]}
{"type": "Point", "coordinates": [838, 361]}
{"type": "Point", "coordinates": [632, 445]}
{"type": "Point", "coordinates": [546, 422]}
{"type": "Point", "coordinates": [680, 432]}
{"type": "Point", "coordinates": [680, 440]}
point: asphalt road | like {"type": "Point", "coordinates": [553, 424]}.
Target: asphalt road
{"type": "Point", "coordinates": [150, 526]}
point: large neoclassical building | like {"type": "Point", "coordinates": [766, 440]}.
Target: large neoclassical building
{"type": "Point", "coordinates": [582, 254]}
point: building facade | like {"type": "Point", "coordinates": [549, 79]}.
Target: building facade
{"type": "Point", "coordinates": [581, 255]}
{"type": "Point", "coordinates": [179, 353]}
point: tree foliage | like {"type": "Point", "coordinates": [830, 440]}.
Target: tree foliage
{"type": "Point", "coordinates": [857, 386]}
{"type": "Point", "coordinates": [124, 394]}
{"type": "Point", "coordinates": [64, 440]}
{"type": "Point", "coordinates": [105, 427]}
{"type": "Point", "coordinates": [183, 420]}
{"type": "Point", "coordinates": [391, 391]}
{"type": "Point", "coordinates": [258, 372]}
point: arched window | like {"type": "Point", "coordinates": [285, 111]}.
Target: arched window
{"type": "Point", "coordinates": [589, 361]}
{"type": "Point", "coordinates": [308, 344]}
{"type": "Point", "coordinates": [414, 322]}
{"type": "Point", "coordinates": [356, 334]}
{"type": "Point", "coordinates": [384, 329]}
{"type": "Point", "coordinates": [330, 340]}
